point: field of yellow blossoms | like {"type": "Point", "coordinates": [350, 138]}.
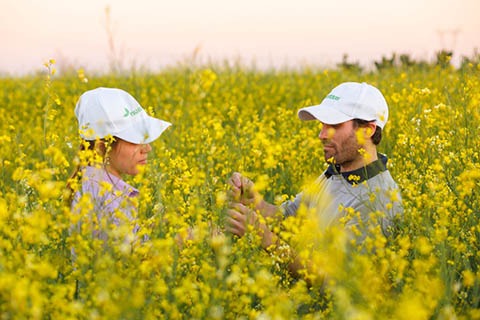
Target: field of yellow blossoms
{"type": "Point", "coordinates": [225, 119]}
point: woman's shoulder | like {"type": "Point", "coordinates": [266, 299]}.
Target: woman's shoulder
{"type": "Point", "coordinates": [98, 180]}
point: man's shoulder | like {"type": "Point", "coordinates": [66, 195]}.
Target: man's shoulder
{"type": "Point", "coordinates": [383, 178]}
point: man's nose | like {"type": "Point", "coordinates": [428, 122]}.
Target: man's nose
{"type": "Point", "coordinates": [323, 135]}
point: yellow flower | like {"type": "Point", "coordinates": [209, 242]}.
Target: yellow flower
{"type": "Point", "coordinates": [468, 278]}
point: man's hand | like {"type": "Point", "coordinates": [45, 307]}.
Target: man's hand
{"type": "Point", "coordinates": [240, 217]}
{"type": "Point", "coordinates": [241, 189]}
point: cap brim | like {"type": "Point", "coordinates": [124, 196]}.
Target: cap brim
{"type": "Point", "coordinates": [152, 128]}
{"type": "Point", "coordinates": [323, 113]}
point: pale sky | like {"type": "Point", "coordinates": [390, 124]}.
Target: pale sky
{"type": "Point", "coordinates": [156, 33]}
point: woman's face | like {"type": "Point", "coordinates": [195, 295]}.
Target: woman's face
{"type": "Point", "coordinates": [125, 157]}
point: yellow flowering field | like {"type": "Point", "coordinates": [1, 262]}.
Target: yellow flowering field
{"type": "Point", "coordinates": [225, 119]}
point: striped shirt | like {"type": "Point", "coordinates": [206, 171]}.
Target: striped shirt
{"type": "Point", "coordinates": [112, 198]}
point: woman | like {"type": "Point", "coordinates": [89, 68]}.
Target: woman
{"type": "Point", "coordinates": [116, 133]}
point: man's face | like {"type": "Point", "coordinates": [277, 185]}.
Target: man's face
{"type": "Point", "coordinates": [340, 143]}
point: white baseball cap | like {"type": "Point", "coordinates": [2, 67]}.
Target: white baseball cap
{"type": "Point", "coordinates": [109, 111]}
{"type": "Point", "coordinates": [347, 101]}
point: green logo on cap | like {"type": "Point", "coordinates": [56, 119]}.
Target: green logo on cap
{"type": "Point", "coordinates": [132, 113]}
{"type": "Point", "coordinates": [333, 97]}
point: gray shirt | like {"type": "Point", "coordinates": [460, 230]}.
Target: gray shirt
{"type": "Point", "coordinates": [357, 196]}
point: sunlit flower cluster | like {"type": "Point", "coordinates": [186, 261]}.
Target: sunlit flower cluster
{"type": "Point", "coordinates": [181, 263]}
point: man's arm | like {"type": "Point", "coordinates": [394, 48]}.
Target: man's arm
{"type": "Point", "coordinates": [240, 216]}
{"type": "Point", "coordinates": [243, 196]}
{"type": "Point", "coordinates": [243, 191]}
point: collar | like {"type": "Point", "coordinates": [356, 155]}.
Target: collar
{"type": "Point", "coordinates": [361, 174]}
{"type": "Point", "coordinates": [100, 174]}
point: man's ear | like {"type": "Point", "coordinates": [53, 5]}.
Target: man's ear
{"type": "Point", "coordinates": [370, 129]}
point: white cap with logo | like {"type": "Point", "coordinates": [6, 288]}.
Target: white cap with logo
{"type": "Point", "coordinates": [109, 111]}
{"type": "Point", "coordinates": [347, 101]}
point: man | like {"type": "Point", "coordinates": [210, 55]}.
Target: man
{"type": "Point", "coordinates": [356, 181]}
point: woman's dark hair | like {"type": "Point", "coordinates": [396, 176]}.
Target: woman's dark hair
{"type": "Point", "coordinates": [377, 135]}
